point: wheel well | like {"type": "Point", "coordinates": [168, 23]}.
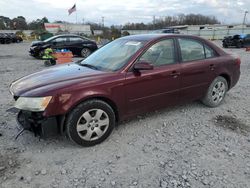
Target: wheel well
{"type": "Point", "coordinates": [227, 79]}
{"type": "Point", "coordinates": [107, 100]}
{"type": "Point", "coordinates": [85, 47]}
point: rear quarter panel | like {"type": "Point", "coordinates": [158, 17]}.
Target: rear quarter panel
{"type": "Point", "coordinates": [227, 66]}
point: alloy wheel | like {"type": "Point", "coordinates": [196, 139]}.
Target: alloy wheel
{"type": "Point", "coordinates": [85, 52]}
{"type": "Point", "coordinates": [218, 92]}
{"type": "Point", "coordinates": [92, 124]}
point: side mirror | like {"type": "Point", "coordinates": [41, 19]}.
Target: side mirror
{"type": "Point", "coordinates": [143, 65]}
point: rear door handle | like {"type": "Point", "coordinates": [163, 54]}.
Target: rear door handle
{"type": "Point", "coordinates": [175, 74]}
{"type": "Point", "coordinates": [211, 67]}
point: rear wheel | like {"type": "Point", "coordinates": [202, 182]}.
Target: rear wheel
{"type": "Point", "coordinates": [239, 45]}
{"type": "Point", "coordinates": [85, 52]}
{"type": "Point", "coordinates": [216, 92]}
{"type": "Point", "coordinates": [90, 123]}
{"type": "Point", "coordinates": [225, 45]}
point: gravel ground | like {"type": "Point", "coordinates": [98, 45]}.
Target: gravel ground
{"type": "Point", "coordinates": [186, 146]}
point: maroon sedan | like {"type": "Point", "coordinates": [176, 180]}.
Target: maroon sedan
{"type": "Point", "coordinates": [129, 76]}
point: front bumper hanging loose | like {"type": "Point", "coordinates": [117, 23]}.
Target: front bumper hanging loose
{"type": "Point", "coordinates": [37, 123]}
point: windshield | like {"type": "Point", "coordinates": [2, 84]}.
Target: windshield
{"type": "Point", "coordinates": [49, 39]}
{"type": "Point", "coordinates": [114, 55]}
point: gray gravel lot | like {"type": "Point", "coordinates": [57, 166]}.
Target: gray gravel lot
{"type": "Point", "coordinates": [185, 146]}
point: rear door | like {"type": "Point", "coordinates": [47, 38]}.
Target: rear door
{"type": "Point", "coordinates": [152, 89]}
{"type": "Point", "coordinates": [75, 44]}
{"type": "Point", "coordinates": [198, 64]}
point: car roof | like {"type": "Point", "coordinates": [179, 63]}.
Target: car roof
{"type": "Point", "coordinates": [154, 36]}
{"type": "Point", "coordinates": [158, 36]}
{"type": "Point", "coordinates": [67, 35]}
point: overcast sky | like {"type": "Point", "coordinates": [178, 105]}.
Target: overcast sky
{"type": "Point", "coordinates": [123, 11]}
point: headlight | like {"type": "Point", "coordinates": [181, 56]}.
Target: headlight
{"type": "Point", "coordinates": [34, 104]}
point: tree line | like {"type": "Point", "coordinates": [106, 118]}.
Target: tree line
{"type": "Point", "coordinates": [168, 21]}
{"type": "Point", "coordinates": [20, 23]}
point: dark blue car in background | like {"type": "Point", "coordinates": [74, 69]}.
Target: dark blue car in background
{"type": "Point", "coordinates": [239, 41]}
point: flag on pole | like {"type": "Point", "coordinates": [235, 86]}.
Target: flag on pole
{"type": "Point", "coordinates": [73, 9]}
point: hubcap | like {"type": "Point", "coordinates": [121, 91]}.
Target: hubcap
{"type": "Point", "coordinates": [218, 92]}
{"type": "Point", "coordinates": [92, 124]}
{"type": "Point", "coordinates": [85, 52]}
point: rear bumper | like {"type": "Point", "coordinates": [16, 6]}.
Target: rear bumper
{"type": "Point", "coordinates": [235, 79]}
{"type": "Point", "coordinates": [38, 124]}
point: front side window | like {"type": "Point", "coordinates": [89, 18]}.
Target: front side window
{"type": "Point", "coordinates": [160, 53]}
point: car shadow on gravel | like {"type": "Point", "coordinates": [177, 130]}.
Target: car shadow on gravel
{"type": "Point", "coordinates": [231, 123]}
{"type": "Point", "coordinates": [183, 108]}
{"type": "Point", "coordinates": [5, 56]}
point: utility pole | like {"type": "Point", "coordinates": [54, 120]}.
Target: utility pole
{"type": "Point", "coordinates": [103, 21]}
{"type": "Point", "coordinates": [154, 21]}
{"type": "Point", "coordinates": [244, 21]}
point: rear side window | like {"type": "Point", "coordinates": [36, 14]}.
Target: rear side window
{"type": "Point", "coordinates": [60, 39]}
{"type": "Point", "coordinates": [191, 49]}
{"type": "Point", "coordinates": [76, 39]}
{"type": "Point", "coordinates": [209, 52]}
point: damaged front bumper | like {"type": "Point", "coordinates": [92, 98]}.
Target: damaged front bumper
{"type": "Point", "coordinates": [38, 124]}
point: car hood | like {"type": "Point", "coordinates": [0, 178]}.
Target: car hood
{"type": "Point", "coordinates": [54, 78]}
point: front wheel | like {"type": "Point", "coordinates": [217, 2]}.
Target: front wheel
{"type": "Point", "coordinates": [90, 123]}
{"type": "Point", "coordinates": [216, 92]}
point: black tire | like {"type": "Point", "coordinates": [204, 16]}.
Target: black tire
{"type": "Point", "coordinates": [77, 115]}
{"type": "Point", "coordinates": [239, 45]}
{"type": "Point", "coordinates": [40, 54]}
{"type": "Point", "coordinates": [215, 96]}
{"type": "Point", "coordinates": [225, 45]}
{"type": "Point", "coordinates": [47, 63]}
{"type": "Point", "coordinates": [85, 52]}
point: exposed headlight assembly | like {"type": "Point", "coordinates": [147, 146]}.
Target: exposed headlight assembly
{"type": "Point", "coordinates": [34, 104]}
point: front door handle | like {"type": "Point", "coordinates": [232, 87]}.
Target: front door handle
{"type": "Point", "coordinates": [175, 74]}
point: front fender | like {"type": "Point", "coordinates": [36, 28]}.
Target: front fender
{"type": "Point", "coordinates": [64, 103]}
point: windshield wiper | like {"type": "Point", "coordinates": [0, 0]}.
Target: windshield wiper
{"type": "Point", "coordinates": [89, 66]}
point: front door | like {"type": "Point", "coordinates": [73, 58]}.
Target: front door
{"type": "Point", "coordinates": [59, 43]}
{"type": "Point", "coordinates": [151, 89]}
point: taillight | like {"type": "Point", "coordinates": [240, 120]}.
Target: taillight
{"type": "Point", "coordinates": [238, 61]}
